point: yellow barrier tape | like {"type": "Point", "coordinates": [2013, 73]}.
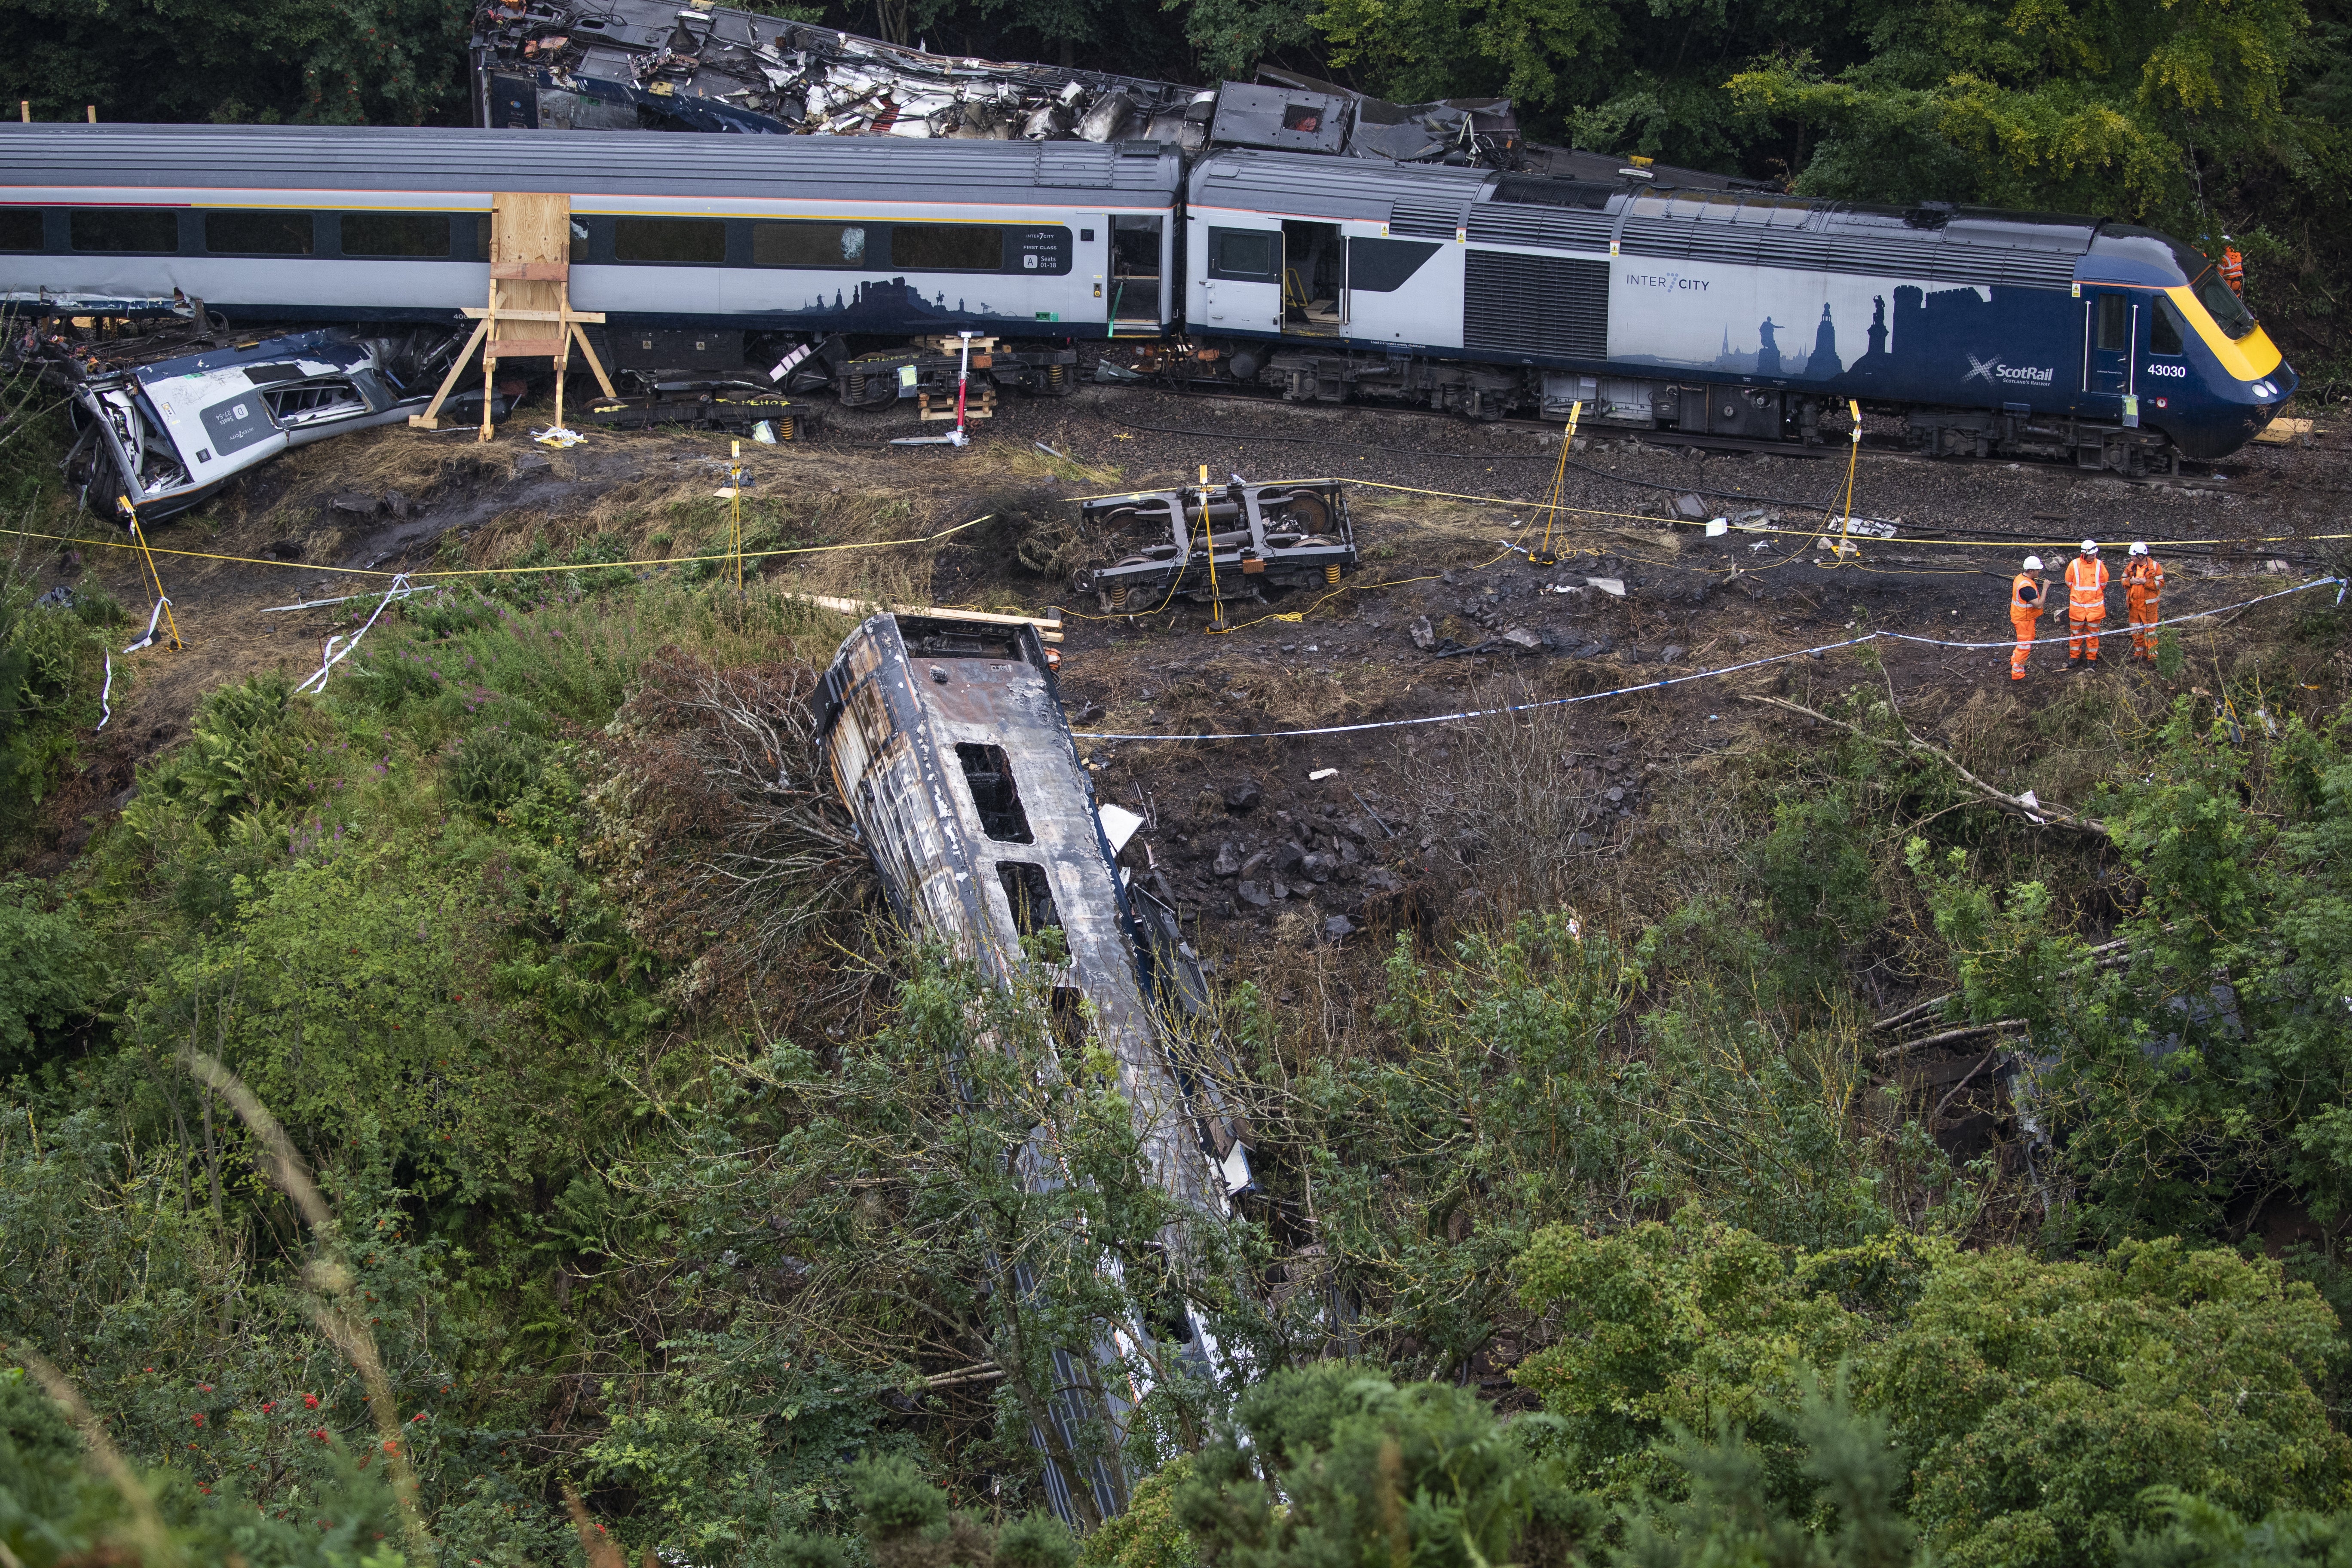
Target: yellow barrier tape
{"type": "Point", "coordinates": [723, 556]}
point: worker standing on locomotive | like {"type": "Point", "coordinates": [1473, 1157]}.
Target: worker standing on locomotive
{"type": "Point", "coordinates": [2143, 588]}
{"type": "Point", "coordinates": [2026, 593]}
{"type": "Point", "coordinates": [2086, 607]}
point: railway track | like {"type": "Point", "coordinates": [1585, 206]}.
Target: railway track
{"type": "Point", "coordinates": [2194, 475]}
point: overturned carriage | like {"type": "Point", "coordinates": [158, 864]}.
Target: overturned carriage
{"type": "Point", "coordinates": [947, 743]}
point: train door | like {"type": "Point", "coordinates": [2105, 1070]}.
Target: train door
{"type": "Point", "coordinates": [1241, 287]}
{"type": "Point", "coordinates": [1313, 278]}
{"type": "Point", "coordinates": [1134, 274]}
{"type": "Point", "coordinates": [2110, 333]}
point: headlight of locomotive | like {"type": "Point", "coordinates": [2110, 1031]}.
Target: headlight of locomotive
{"type": "Point", "coordinates": [2265, 389]}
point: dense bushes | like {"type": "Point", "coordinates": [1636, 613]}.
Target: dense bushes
{"type": "Point", "coordinates": [695, 1200]}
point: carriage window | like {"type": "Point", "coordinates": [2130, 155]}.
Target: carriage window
{"type": "Point", "coordinates": [1030, 896]}
{"type": "Point", "coordinates": [947, 247]}
{"type": "Point", "coordinates": [20, 229]}
{"type": "Point", "coordinates": [1244, 255]}
{"type": "Point", "coordinates": [693, 241]}
{"type": "Point", "coordinates": [141, 231]}
{"type": "Point", "coordinates": [482, 239]}
{"type": "Point", "coordinates": [2115, 321]}
{"type": "Point", "coordinates": [808, 245]}
{"type": "Point", "coordinates": [988, 773]}
{"type": "Point", "coordinates": [409, 235]}
{"type": "Point", "coordinates": [2164, 329]}
{"type": "Point", "coordinates": [257, 234]}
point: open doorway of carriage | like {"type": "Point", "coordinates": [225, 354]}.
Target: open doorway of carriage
{"type": "Point", "coordinates": [1313, 278]}
{"type": "Point", "coordinates": [1135, 272]}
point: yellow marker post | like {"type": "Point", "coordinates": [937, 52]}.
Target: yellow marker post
{"type": "Point", "coordinates": [1541, 555]}
{"type": "Point", "coordinates": [163, 600]}
{"type": "Point", "coordinates": [735, 515]}
{"type": "Point", "coordinates": [1846, 530]}
{"type": "Point", "coordinates": [1208, 538]}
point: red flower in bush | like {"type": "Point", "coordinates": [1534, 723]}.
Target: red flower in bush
{"type": "Point", "coordinates": [390, 1446]}
{"type": "Point", "coordinates": [320, 1434]}
{"type": "Point", "coordinates": [418, 1417]}
{"type": "Point", "coordinates": [310, 1402]}
{"type": "Point", "coordinates": [198, 1418]}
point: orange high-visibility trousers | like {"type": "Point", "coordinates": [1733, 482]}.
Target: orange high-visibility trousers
{"type": "Point", "coordinates": [2023, 622]}
{"type": "Point", "coordinates": [2141, 607]}
{"type": "Point", "coordinates": [2083, 638]}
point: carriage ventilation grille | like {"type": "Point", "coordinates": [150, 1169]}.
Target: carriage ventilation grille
{"type": "Point", "coordinates": [1536, 305]}
{"type": "Point", "coordinates": [1932, 261]}
{"type": "Point", "coordinates": [1554, 230]}
{"type": "Point", "coordinates": [1433, 222]}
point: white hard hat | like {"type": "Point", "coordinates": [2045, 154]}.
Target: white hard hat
{"type": "Point", "coordinates": [2034, 564]}
{"type": "Point", "coordinates": [2138, 547]}
{"type": "Point", "coordinates": [2090, 547]}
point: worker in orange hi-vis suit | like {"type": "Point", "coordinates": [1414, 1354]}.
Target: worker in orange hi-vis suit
{"type": "Point", "coordinates": [2233, 266]}
{"type": "Point", "coordinates": [2026, 592]}
{"type": "Point", "coordinates": [2086, 607]}
{"type": "Point", "coordinates": [2143, 588]}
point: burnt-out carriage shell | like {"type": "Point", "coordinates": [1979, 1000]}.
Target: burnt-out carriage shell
{"type": "Point", "coordinates": [946, 743]}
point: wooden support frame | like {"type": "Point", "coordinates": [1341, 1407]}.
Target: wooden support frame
{"type": "Point", "coordinates": [531, 290]}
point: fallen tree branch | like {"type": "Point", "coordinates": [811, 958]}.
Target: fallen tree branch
{"type": "Point", "coordinates": [1971, 1076]}
{"type": "Point", "coordinates": [1950, 1037]}
{"type": "Point", "coordinates": [2037, 812]}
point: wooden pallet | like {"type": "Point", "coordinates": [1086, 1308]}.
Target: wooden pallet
{"type": "Point", "coordinates": [980, 405]}
{"type": "Point", "coordinates": [954, 345]}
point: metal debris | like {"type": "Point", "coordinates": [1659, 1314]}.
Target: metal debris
{"type": "Point", "coordinates": [625, 65]}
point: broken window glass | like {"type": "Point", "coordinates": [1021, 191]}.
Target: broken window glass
{"type": "Point", "coordinates": [988, 774]}
{"type": "Point", "coordinates": [947, 247]}
{"type": "Point", "coordinates": [687, 241]}
{"type": "Point", "coordinates": [20, 229]}
{"type": "Point", "coordinates": [141, 231]}
{"type": "Point", "coordinates": [808, 245]}
{"type": "Point", "coordinates": [257, 234]}
{"type": "Point", "coordinates": [1030, 896]}
{"type": "Point", "coordinates": [408, 236]}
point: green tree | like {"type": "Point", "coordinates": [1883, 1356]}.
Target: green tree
{"type": "Point", "coordinates": [1335, 1465]}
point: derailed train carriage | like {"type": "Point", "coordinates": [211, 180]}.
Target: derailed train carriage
{"type": "Point", "coordinates": [1728, 314]}
{"type": "Point", "coordinates": [947, 743]}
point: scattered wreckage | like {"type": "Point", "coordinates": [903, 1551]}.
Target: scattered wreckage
{"type": "Point", "coordinates": [947, 743]}
{"type": "Point", "coordinates": [625, 65]}
{"type": "Point", "coordinates": [1218, 542]}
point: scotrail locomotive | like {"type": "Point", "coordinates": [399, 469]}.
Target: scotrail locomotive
{"type": "Point", "coordinates": [1722, 312]}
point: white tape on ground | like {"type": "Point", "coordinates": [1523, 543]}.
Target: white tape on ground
{"type": "Point", "coordinates": [332, 655]}
{"type": "Point", "coordinates": [2340, 583]}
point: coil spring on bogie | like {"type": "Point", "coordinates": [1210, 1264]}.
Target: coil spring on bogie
{"type": "Point", "coordinates": [1054, 375]}
{"type": "Point", "coordinates": [1118, 594]}
{"type": "Point", "coordinates": [1331, 573]}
